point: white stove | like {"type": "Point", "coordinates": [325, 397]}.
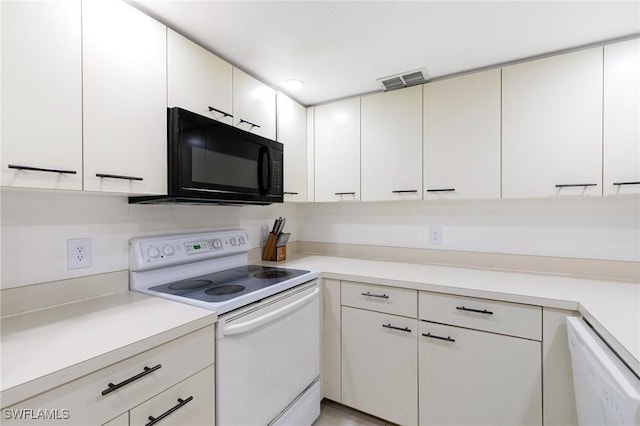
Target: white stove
{"type": "Point", "coordinates": [206, 269]}
{"type": "Point", "coordinates": [268, 328]}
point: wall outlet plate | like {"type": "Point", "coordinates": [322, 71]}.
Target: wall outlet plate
{"type": "Point", "coordinates": [79, 253]}
{"type": "Point", "coordinates": [435, 235]}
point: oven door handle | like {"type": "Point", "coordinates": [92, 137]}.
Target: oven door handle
{"type": "Point", "coordinates": [243, 327]}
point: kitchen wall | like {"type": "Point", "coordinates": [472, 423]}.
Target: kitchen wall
{"type": "Point", "coordinates": [36, 226]}
{"type": "Point", "coordinates": [606, 228]}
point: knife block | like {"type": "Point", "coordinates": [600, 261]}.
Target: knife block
{"type": "Point", "coordinates": [271, 252]}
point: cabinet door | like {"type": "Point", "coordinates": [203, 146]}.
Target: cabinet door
{"type": "Point", "coordinates": [462, 137]}
{"type": "Point", "coordinates": [254, 105]}
{"type": "Point", "coordinates": [337, 151]}
{"type": "Point", "coordinates": [190, 402]}
{"type": "Point", "coordinates": [330, 348]}
{"type": "Point", "coordinates": [622, 118]}
{"type": "Point", "coordinates": [552, 126]}
{"type": "Point", "coordinates": [470, 377]}
{"type": "Point", "coordinates": [379, 365]}
{"type": "Point", "coordinates": [42, 94]}
{"type": "Point", "coordinates": [197, 80]}
{"type": "Point", "coordinates": [292, 132]}
{"type": "Point", "coordinates": [392, 145]}
{"type": "Point", "coordinates": [125, 99]}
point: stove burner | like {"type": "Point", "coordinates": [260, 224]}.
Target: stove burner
{"type": "Point", "coordinates": [249, 268]}
{"type": "Point", "coordinates": [278, 273]}
{"type": "Point", "coordinates": [223, 290]}
{"type": "Point", "coordinates": [190, 284]}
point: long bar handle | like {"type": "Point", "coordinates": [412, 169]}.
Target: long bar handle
{"type": "Point", "coordinates": [111, 387]}
{"type": "Point", "coordinates": [290, 193]}
{"type": "Point", "coordinates": [40, 169]}
{"type": "Point", "coordinates": [382, 296]}
{"type": "Point", "coordinates": [181, 403]}
{"type": "Point", "coordinates": [441, 190]}
{"type": "Point", "coordinates": [431, 336]}
{"type": "Point", "coordinates": [106, 175]}
{"type": "Point", "coordinates": [224, 114]}
{"type": "Point", "coordinates": [403, 191]}
{"type": "Point", "coordinates": [484, 311]}
{"type": "Point", "coordinates": [393, 327]}
{"type": "Point", "coordinates": [572, 185]}
{"type": "Point", "coordinates": [626, 183]}
{"type": "Point", "coordinates": [242, 120]}
{"type": "Point", "coordinates": [345, 193]}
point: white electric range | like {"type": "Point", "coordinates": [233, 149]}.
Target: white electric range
{"type": "Point", "coordinates": [267, 334]}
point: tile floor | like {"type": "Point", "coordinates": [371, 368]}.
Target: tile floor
{"type": "Point", "coordinates": [334, 414]}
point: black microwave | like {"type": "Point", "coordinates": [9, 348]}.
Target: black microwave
{"type": "Point", "coordinates": [210, 162]}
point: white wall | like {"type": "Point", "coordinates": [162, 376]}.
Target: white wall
{"type": "Point", "coordinates": [36, 226]}
{"type": "Point", "coordinates": [592, 228]}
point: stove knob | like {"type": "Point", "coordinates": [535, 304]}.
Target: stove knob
{"type": "Point", "coordinates": [153, 252]}
{"type": "Point", "coordinates": [217, 244]}
{"type": "Point", "coordinates": [233, 241]}
{"type": "Point", "coordinates": [242, 240]}
{"type": "Point", "coordinates": [168, 251]}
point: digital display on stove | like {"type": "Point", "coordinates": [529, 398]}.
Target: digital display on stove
{"type": "Point", "coordinates": [197, 247]}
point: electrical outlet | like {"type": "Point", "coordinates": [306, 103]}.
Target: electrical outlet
{"type": "Point", "coordinates": [79, 253]}
{"type": "Point", "coordinates": [435, 235]}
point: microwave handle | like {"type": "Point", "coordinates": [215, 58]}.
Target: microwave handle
{"type": "Point", "coordinates": [262, 187]}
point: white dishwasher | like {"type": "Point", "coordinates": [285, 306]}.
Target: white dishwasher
{"type": "Point", "coordinates": [607, 391]}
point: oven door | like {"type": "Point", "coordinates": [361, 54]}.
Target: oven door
{"type": "Point", "coordinates": [267, 356]}
{"type": "Point", "coordinates": [218, 161]}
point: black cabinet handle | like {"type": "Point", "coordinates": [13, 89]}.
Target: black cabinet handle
{"type": "Point", "coordinates": [431, 336]}
{"type": "Point", "coordinates": [571, 185]}
{"type": "Point", "coordinates": [105, 175]}
{"type": "Point", "coordinates": [393, 327]}
{"type": "Point", "coordinates": [40, 169]}
{"type": "Point", "coordinates": [484, 311]}
{"type": "Point", "coordinates": [402, 191]}
{"type": "Point", "coordinates": [111, 387]}
{"type": "Point", "coordinates": [224, 114]}
{"type": "Point", "coordinates": [441, 190]}
{"type": "Point", "coordinates": [382, 296]}
{"type": "Point", "coordinates": [181, 403]}
{"type": "Point", "coordinates": [290, 193]}
{"type": "Point", "coordinates": [345, 193]}
{"type": "Point", "coordinates": [242, 120]}
{"type": "Point", "coordinates": [626, 183]}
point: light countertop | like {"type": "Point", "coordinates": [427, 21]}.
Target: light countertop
{"type": "Point", "coordinates": [612, 307]}
{"type": "Point", "coordinates": [48, 347]}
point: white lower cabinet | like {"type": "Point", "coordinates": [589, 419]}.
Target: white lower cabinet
{"type": "Point", "coordinates": [379, 365]}
{"type": "Point", "coordinates": [470, 377]}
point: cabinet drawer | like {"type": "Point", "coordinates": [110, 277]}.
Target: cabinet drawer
{"type": "Point", "coordinates": [190, 402]}
{"type": "Point", "coordinates": [482, 314]}
{"type": "Point", "coordinates": [390, 300]}
{"type": "Point", "coordinates": [83, 400]}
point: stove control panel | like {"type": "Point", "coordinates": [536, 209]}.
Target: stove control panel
{"type": "Point", "coordinates": [161, 251]}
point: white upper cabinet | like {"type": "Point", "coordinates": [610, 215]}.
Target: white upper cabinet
{"type": "Point", "coordinates": [462, 137]}
{"type": "Point", "coordinates": [292, 132]}
{"type": "Point", "coordinates": [622, 118]}
{"type": "Point", "coordinates": [552, 126]}
{"type": "Point", "coordinates": [42, 94]}
{"type": "Point", "coordinates": [125, 99]}
{"type": "Point", "coordinates": [337, 151]}
{"type": "Point", "coordinates": [392, 145]}
{"type": "Point", "coordinates": [197, 80]}
{"type": "Point", "coordinates": [254, 105]}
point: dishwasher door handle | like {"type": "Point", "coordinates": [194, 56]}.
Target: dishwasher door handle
{"type": "Point", "coordinates": [266, 318]}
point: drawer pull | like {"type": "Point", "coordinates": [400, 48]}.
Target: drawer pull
{"type": "Point", "coordinates": [181, 403]}
{"type": "Point", "coordinates": [107, 175]}
{"type": "Point", "coordinates": [403, 191]}
{"type": "Point", "coordinates": [407, 329]}
{"type": "Point", "coordinates": [381, 296]}
{"type": "Point", "coordinates": [40, 169]}
{"type": "Point", "coordinates": [147, 370]}
{"type": "Point", "coordinates": [290, 193]}
{"type": "Point", "coordinates": [431, 336]}
{"type": "Point", "coordinates": [224, 114]}
{"type": "Point", "coordinates": [484, 311]}
{"type": "Point", "coordinates": [626, 183]}
{"type": "Point", "coordinates": [573, 185]}
{"type": "Point", "coordinates": [345, 193]}
{"type": "Point", "coordinates": [441, 190]}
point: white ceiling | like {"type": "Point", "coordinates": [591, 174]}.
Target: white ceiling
{"type": "Point", "coordinates": [340, 48]}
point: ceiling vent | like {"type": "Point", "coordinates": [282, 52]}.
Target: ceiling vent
{"type": "Point", "coordinates": [405, 79]}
